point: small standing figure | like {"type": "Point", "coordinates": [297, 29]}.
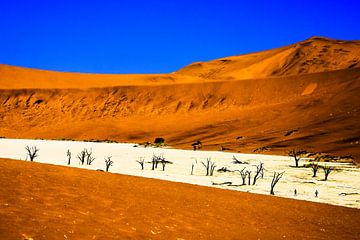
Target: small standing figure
{"type": "Point", "coordinates": [316, 193]}
{"type": "Point", "coordinates": [295, 192]}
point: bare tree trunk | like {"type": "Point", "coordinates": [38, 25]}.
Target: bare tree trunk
{"type": "Point", "coordinates": [259, 171]}
{"type": "Point", "coordinates": [275, 180]}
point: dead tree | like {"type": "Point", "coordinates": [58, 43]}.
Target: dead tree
{"type": "Point", "coordinates": [68, 154]}
{"type": "Point", "coordinates": [297, 155]}
{"type": "Point", "coordinates": [163, 163]}
{"type": "Point", "coordinates": [237, 161]}
{"type": "Point", "coordinates": [155, 161]}
{"type": "Point", "coordinates": [275, 180]}
{"type": "Point", "coordinates": [82, 156]}
{"type": "Point", "coordinates": [248, 173]}
{"type": "Point", "coordinates": [327, 171]}
{"type": "Point", "coordinates": [108, 163]}
{"type": "Point", "coordinates": [259, 172]}
{"type": "Point", "coordinates": [192, 169]}
{"type": "Point", "coordinates": [315, 168]}
{"type": "Point", "coordinates": [89, 157]}
{"type": "Point", "coordinates": [141, 162]}
{"type": "Point", "coordinates": [196, 145]}
{"type": "Point", "coordinates": [209, 166]}
{"type": "Point", "coordinates": [243, 175]}
{"type": "Point", "coordinates": [32, 152]}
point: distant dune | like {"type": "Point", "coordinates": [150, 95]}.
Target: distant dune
{"type": "Point", "coordinates": [305, 95]}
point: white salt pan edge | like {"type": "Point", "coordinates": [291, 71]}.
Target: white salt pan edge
{"type": "Point", "coordinates": [346, 179]}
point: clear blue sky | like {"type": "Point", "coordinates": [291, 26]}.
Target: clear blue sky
{"type": "Point", "coordinates": [153, 36]}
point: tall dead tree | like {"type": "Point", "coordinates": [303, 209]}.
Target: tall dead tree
{"type": "Point", "coordinates": [275, 180]}
{"type": "Point", "coordinates": [297, 155]}
{"type": "Point", "coordinates": [141, 162]}
{"type": "Point", "coordinates": [89, 157]}
{"type": "Point", "coordinates": [156, 159]}
{"type": "Point", "coordinates": [209, 166]}
{"type": "Point", "coordinates": [108, 163]}
{"type": "Point", "coordinates": [249, 176]}
{"type": "Point", "coordinates": [259, 172]}
{"type": "Point", "coordinates": [68, 154]}
{"type": "Point", "coordinates": [82, 156]}
{"type": "Point", "coordinates": [32, 152]}
{"type": "Point", "coordinates": [327, 171]}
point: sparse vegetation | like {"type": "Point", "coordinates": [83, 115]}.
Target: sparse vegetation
{"type": "Point", "coordinates": [248, 173]}
{"type": "Point", "coordinates": [85, 156]}
{"type": "Point", "coordinates": [141, 161]}
{"type": "Point", "coordinates": [276, 178]}
{"type": "Point", "coordinates": [314, 167]}
{"type": "Point", "coordinates": [68, 154]}
{"type": "Point", "coordinates": [209, 166]}
{"type": "Point", "coordinates": [108, 163]}
{"type": "Point", "coordinates": [262, 149]}
{"type": "Point", "coordinates": [288, 133]}
{"type": "Point", "coordinates": [32, 152]}
{"type": "Point", "coordinates": [159, 141]}
{"type": "Point", "coordinates": [159, 159]}
{"type": "Point", "coordinates": [224, 169]}
{"type": "Point", "coordinates": [297, 155]}
{"type": "Point", "coordinates": [259, 172]}
{"type": "Point", "coordinates": [237, 161]}
{"type": "Point", "coordinates": [196, 145]}
{"type": "Point", "coordinates": [327, 171]}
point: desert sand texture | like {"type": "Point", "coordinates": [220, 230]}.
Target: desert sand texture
{"type": "Point", "coordinates": [41, 201]}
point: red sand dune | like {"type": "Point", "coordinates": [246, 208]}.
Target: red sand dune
{"type": "Point", "coordinates": [239, 103]}
{"type": "Point", "coordinates": [51, 202]}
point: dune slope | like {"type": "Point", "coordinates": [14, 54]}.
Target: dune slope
{"type": "Point", "coordinates": [51, 202]}
{"type": "Point", "coordinates": [246, 103]}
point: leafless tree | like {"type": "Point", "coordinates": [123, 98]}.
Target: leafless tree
{"type": "Point", "coordinates": [210, 167]}
{"type": "Point", "coordinates": [141, 162]}
{"type": "Point", "coordinates": [82, 156]}
{"type": "Point", "coordinates": [259, 172]}
{"type": "Point", "coordinates": [89, 157]}
{"type": "Point", "coordinates": [249, 176]}
{"type": "Point", "coordinates": [155, 161]}
{"type": "Point", "coordinates": [108, 163]}
{"type": "Point", "coordinates": [315, 168]}
{"type": "Point", "coordinates": [32, 152]}
{"type": "Point", "coordinates": [192, 168]}
{"type": "Point", "coordinates": [275, 180]}
{"type": "Point", "coordinates": [327, 171]}
{"type": "Point", "coordinates": [68, 154]}
{"type": "Point", "coordinates": [243, 175]}
{"type": "Point", "coordinates": [85, 156]}
{"type": "Point", "coordinates": [297, 155]}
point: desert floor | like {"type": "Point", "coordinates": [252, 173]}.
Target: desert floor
{"type": "Point", "coordinates": [42, 201]}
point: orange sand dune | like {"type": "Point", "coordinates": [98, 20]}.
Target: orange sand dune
{"type": "Point", "coordinates": [314, 55]}
{"type": "Point", "coordinates": [249, 102]}
{"type": "Point", "coordinates": [41, 201]}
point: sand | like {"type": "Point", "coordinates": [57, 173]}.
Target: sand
{"type": "Point", "coordinates": [239, 103]}
{"type": "Point", "coordinates": [41, 201]}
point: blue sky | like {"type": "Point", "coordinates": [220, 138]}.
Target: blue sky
{"type": "Point", "coordinates": [160, 36]}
